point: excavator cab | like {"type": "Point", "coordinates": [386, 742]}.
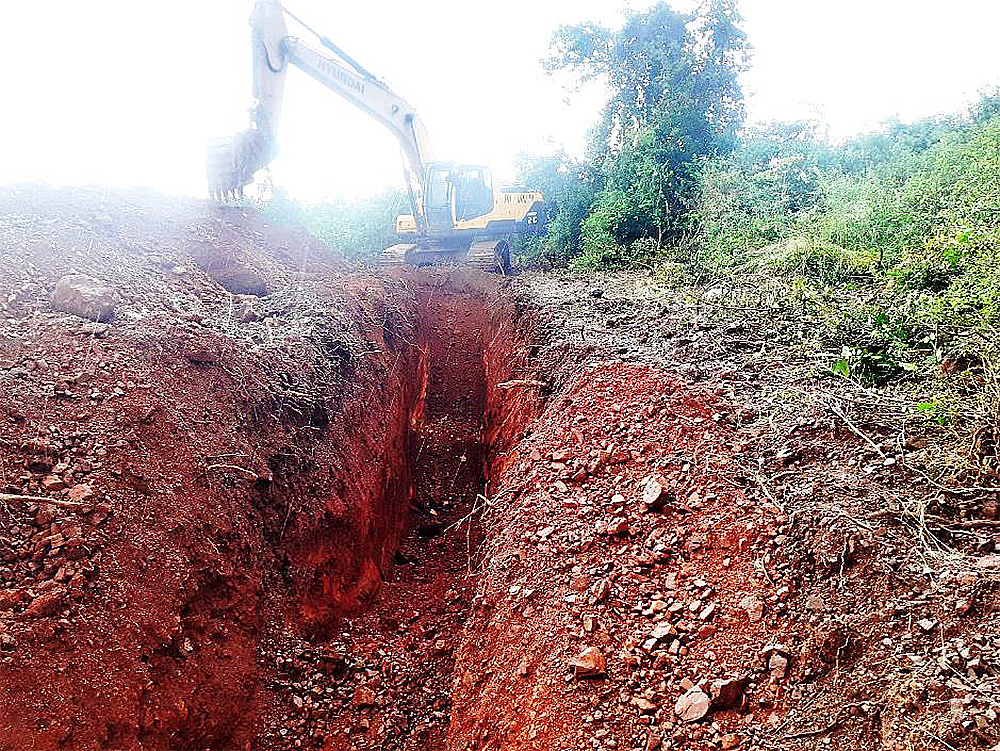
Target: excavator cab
{"type": "Point", "coordinates": [456, 193]}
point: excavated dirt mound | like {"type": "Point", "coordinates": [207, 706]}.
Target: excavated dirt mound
{"type": "Point", "coordinates": [253, 498]}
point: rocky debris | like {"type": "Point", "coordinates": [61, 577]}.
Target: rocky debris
{"type": "Point", "coordinates": [84, 296]}
{"type": "Point", "coordinates": [590, 663]}
{"type": "Point", "coordinates": [692, 705]}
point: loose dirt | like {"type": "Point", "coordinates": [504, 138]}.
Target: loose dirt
{"type": "Point", "coordinates": [272, 501]}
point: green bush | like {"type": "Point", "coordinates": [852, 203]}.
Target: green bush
{"type": "Point", "coordinates": [358, 229]}
{"type": "Point", "coordinates": [812, 259]}
{"type": "Point", "coordinates": [766, 190]}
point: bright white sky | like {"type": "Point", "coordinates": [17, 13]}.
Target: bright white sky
{"type": "Point", "coordinates": [127, 93]}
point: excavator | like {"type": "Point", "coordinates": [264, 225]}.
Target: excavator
{"type": "Point", "coordinates": [457, 213]}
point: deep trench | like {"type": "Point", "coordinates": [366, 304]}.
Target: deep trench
{"type": "Point", "coordinates": [400, 646]}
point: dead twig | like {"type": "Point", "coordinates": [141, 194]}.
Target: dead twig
{"type": "Point", "coordinates": [860, 434]}
{"type": "Point", "coordinates": [481, 502]}
{"type": "Point", "coordinates": [13, 497]}
{"type": "Point", "coordinates": [813, 733]}
{"type": "Point", "coordinates": [962, 524]}
{"type": "Point", "coordinates": [247, 472]}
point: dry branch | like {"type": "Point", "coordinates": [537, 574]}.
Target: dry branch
{"type": "Point", "coordinates": [522, 383]}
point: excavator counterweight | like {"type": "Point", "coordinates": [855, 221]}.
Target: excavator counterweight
{"type": "Point", "coordinates": [457, 214]}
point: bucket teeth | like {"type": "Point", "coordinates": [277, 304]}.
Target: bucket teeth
{"type": "Point", "coordinates": [231, 164]}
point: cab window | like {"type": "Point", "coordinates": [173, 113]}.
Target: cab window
{"type": "Point", "coordinates": [474, 193]}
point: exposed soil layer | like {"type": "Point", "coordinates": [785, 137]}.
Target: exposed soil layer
{"type": "Point", "coordinates": [271, 502]}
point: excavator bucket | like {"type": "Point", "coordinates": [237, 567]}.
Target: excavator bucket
{"type": "Point", "coordinates": [231, 163]}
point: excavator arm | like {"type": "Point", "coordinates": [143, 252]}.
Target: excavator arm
{"type": "Point", "coordinates": [233, 162]}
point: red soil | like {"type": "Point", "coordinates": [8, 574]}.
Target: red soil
{"type": "Point", "coordinates": [297, 506]}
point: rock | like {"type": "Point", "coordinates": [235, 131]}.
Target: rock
{"type": "Point", "coordinates": [94, 329]}
{"type": "Point", "coordinates": [815, 603]}
{"type": "Point", "coordinates": [45, 515]}
{"type": "Point", "coordinates": [927, 625]}
{"type": "Point", "coordinates": [776, 650]}
{"type": "Point", "coordinates": [692, 705]}
{"type": "Point", "coordinates": [84, 296]}
{"type": "Point", "coordinates": [714, 293]}
{"type": "Point", "coordinates": [729, 740]}
{"type": "Point", "coordinates": [47, 603]}
{"type": "Point", "coordinates": [98, 515]}
{"type": "Point", "coordinates": [81, 493]}
{"type": "Point", "coordinates": [643, 704]}
{"type": "Point", "coordinates": [601, 589]}
{"type": "Point", "coordinates": [654, 493]}
{"type": "Point", "coordinates": [753, 606]}
{"type": "Point", "coordinates": [727, 693]}
{"type": "Point", "coordinates": [363, 697]}
{"type": "Point", "coordinates": [662, 631]}
{"type": "Point", "coordinates": [777, 665]}
{"type": "Point", "coordinates": [590, 663]}
{"type": "Point", "coordinates": [989, 561]}
{"type": "Point", "coordinates": [595, 292]}
{"type": "Point", "coordinates": [618, 526]}
{"type": "Point", "coordinates": [654, 742]}
{"type": "Point", "coordinates": [53, 483]}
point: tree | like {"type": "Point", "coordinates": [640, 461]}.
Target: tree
{"type": "Point", "coordinates": [569, 186]}
{"type": "Point", "coordinates": [675, 99]}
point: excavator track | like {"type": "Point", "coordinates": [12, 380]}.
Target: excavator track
{"type": "Point", "coordinates": [395, 255]}
{"type": "Point", "coordinates": [492, 256]}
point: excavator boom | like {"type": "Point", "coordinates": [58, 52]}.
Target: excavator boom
{"type": "Point", "coordinates": [233, 162]}
{"type": "Point", "coordinates": [457, 214]}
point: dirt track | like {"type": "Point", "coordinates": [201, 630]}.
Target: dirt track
{"type": "Point", "coordinates": [301, 505]}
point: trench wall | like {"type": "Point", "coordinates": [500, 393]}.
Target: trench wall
{"type": "Point", "coordinates": [227, 489]}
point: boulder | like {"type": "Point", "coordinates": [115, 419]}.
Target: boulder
{"type": "Point", "coordinates": [727, 693]}
{"type": "Point", "coordinates": [589, 663]}
{"type": "Point", "coordinates": [84, 296]}
{"type": "Point", "coordinates": [654, 493]}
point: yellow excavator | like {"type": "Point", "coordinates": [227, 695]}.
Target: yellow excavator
{"type": "Point", "coordinates": [457, 213]}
